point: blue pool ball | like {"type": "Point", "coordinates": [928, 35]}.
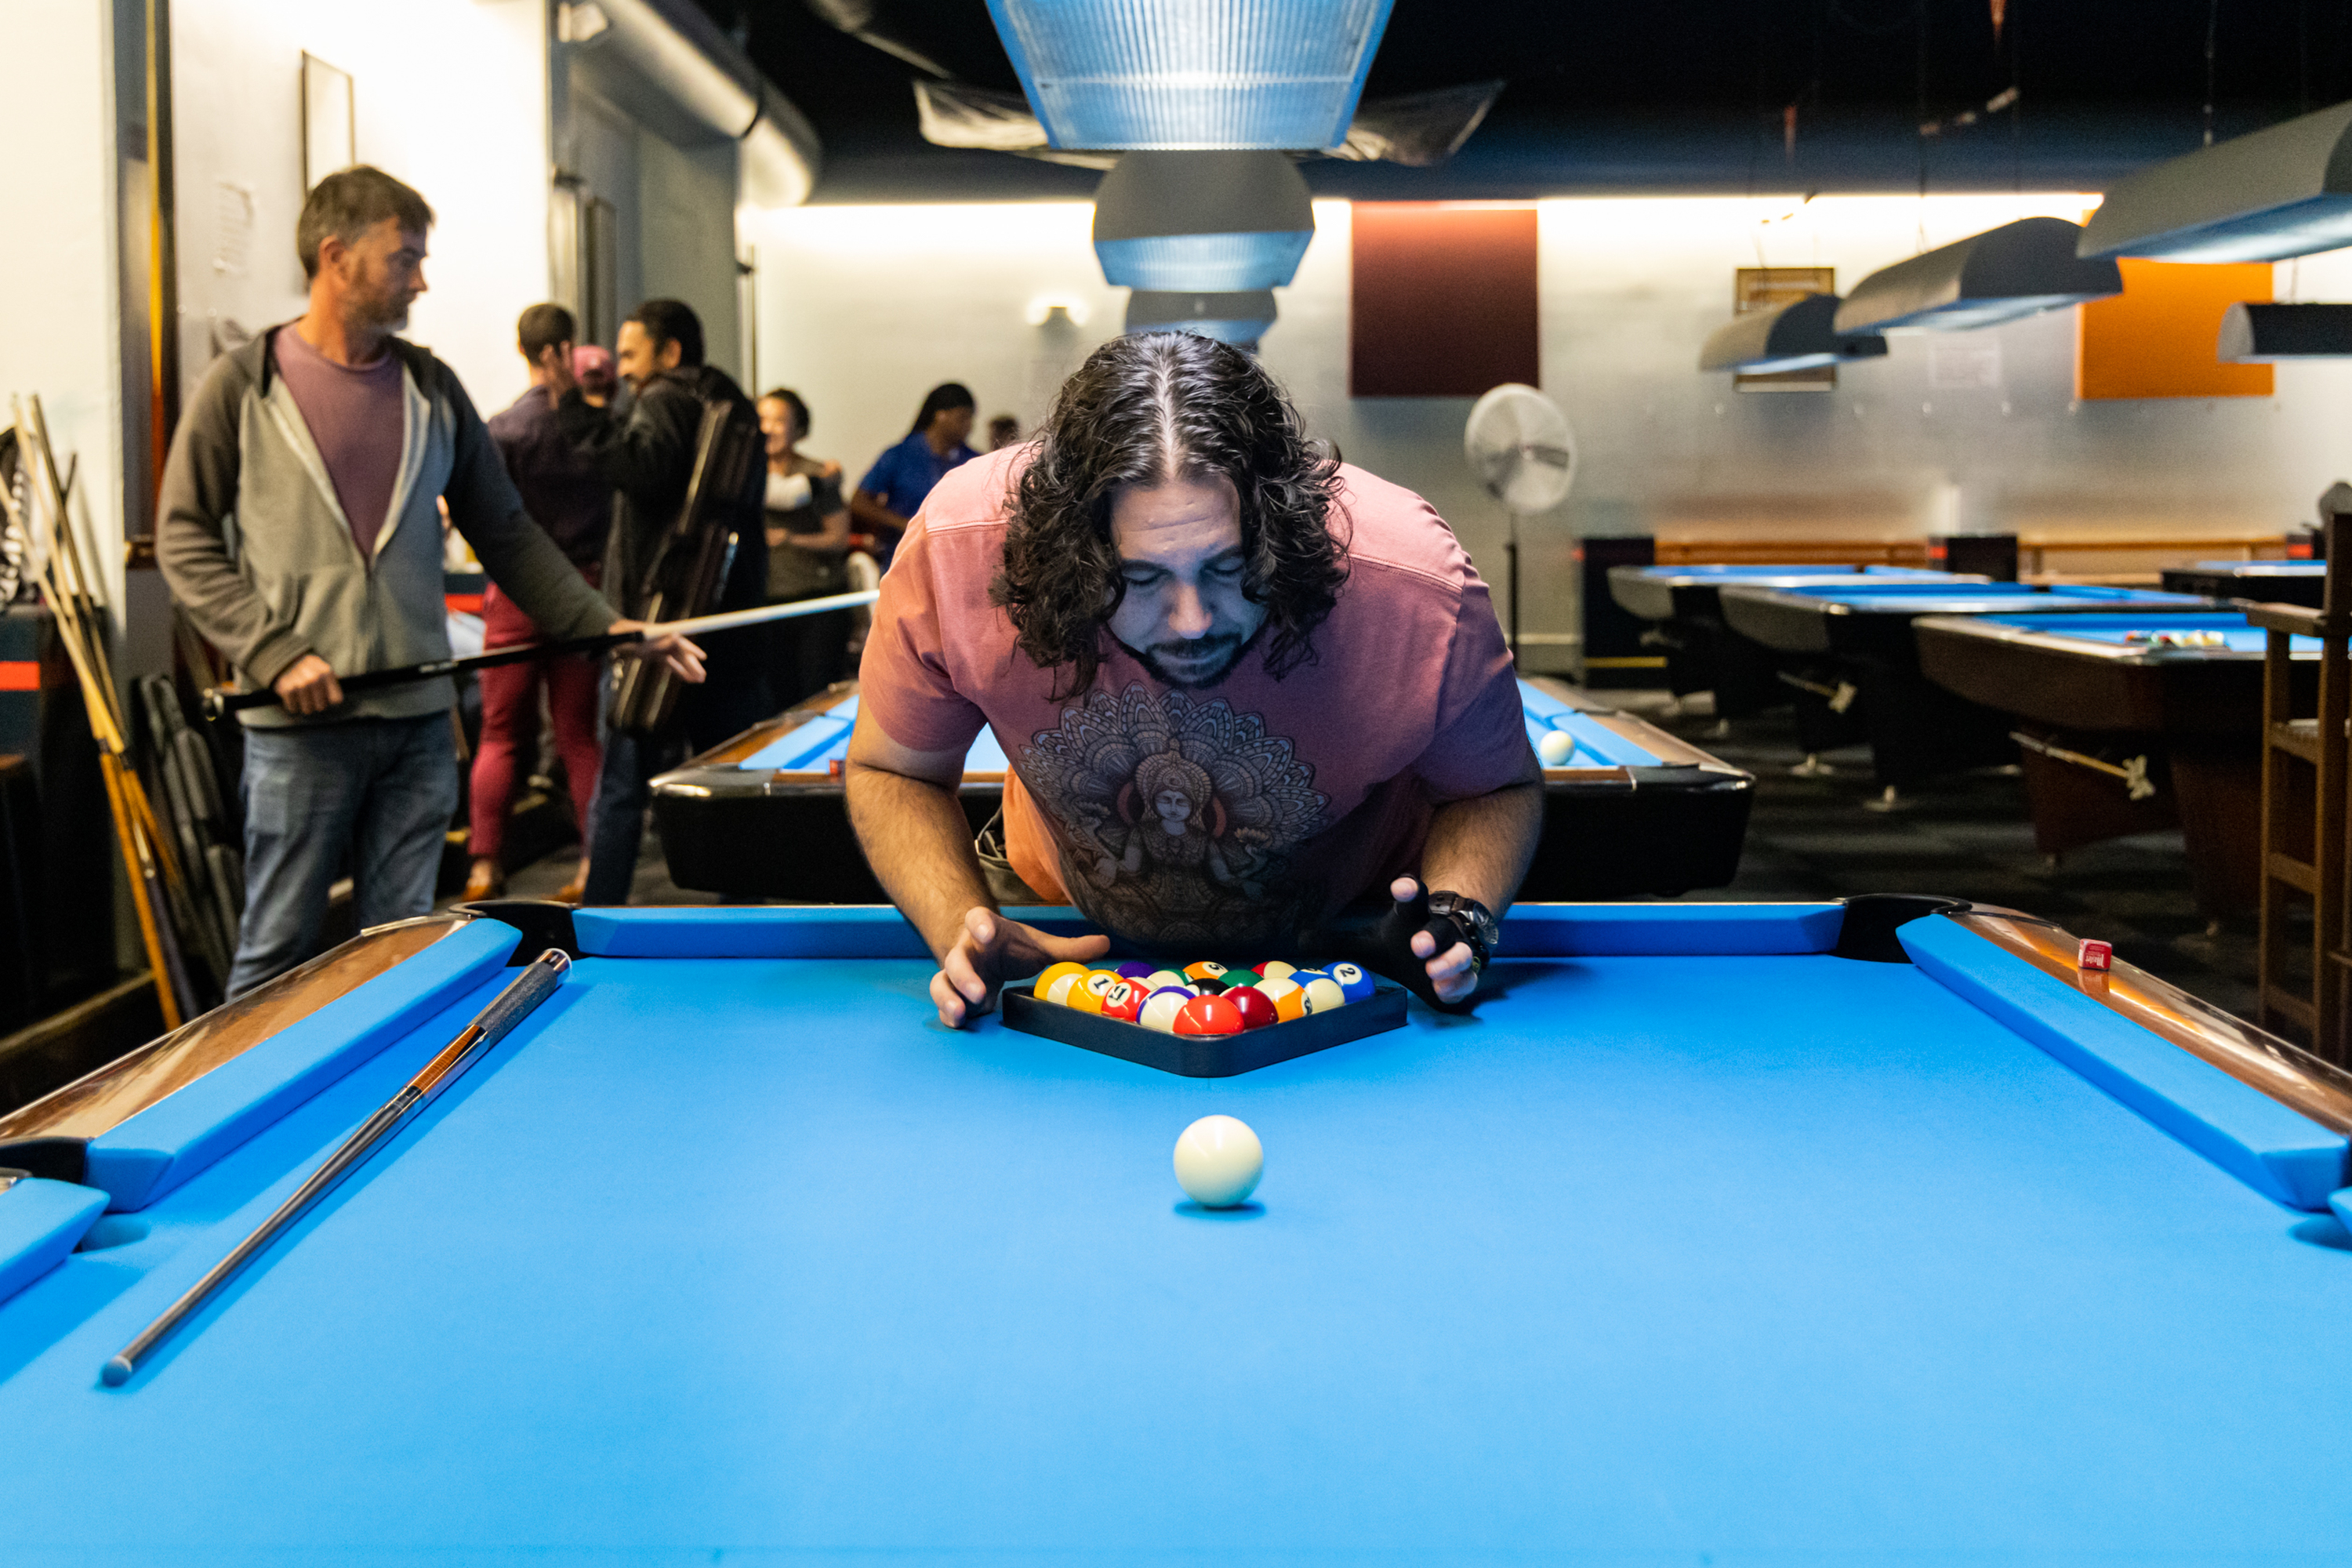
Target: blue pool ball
{"type": "Point", "coordinates": [1354, 983]}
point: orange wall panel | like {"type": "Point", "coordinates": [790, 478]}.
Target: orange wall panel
{"type": "Point", "coordinates": [2156, 338]}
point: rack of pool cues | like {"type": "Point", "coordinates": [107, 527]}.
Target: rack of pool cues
{"type": "Point", "coordinates": [172, 920]}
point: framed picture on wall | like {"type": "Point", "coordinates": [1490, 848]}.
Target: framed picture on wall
{"type": "Point", "coordinates": [328, 135]}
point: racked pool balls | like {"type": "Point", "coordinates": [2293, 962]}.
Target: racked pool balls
{"type": "Point", "coordinates": [1324, 993]}
{"type": "Point", "coordinates": [1207, 969]}
{"type": "Point", "coordinates": [1087, 994]}
{"type": "Point", "coordinates": [1123, 1001]}
{"type": "Point", "coordinates": [1160, 977]}
{"type": "Point", "coordinates": [1275, 969]}
{"type": "Point", "coordinates": [1134, 969]}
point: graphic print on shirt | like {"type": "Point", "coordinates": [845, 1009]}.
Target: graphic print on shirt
{"type": "Point", "coordinates": [1178, 818]}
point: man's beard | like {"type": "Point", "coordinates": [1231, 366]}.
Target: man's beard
{"type": "Point", "coordinates": [1239, 647]}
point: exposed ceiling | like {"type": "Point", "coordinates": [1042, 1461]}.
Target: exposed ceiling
{"type": "Point", "coordinates": [1671, 95]}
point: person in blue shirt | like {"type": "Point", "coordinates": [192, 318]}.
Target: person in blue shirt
{"type": "Point", "coordinates": [893, 489]}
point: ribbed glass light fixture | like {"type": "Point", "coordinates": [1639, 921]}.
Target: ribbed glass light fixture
{"type": "Point", "coordinates": [1183, 73]}
{"type": "Point", "coordinates": [2020, 268]}
{"type": "Point", "coordinates": [1799, 335]}
{"type": "Point", "coordinates": [1207, 223]}
{"type": "Point", "coordinates": [1242, 317]}
{"type": "Point", "coordinates": [2285, 191]}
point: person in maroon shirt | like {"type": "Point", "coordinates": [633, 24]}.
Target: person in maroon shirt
{"type": "Point", "coordinates": [565, 496]}
{"type": "Point", "coordinates": [1255, 701]}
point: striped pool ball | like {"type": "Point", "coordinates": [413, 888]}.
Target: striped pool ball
{"type": "Point", "coordinates": [1352, 980]}
{"type": "Point", "coordinates": [1160, 1009]}
{"type": "Point", "coordinates": [1291, 1003]}
{"type": "Point", "coordinates": [1059, 992]}
{"type": "Point", "coordinates": [1323, 994]}
{"type": "Point", "coordinates": [1160, 977]}
{"type": "Point", "coordinates": [1275, 969]}
{"type": "Point", "coordinates": [1208, 1015]}
{"type": "Point", "coordinates": [1041, 990]}
{"type": "Point", "coordinates": [1207, 969]}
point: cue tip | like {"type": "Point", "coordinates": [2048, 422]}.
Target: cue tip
{"type": "Point", "coordinates": [117, 1371]}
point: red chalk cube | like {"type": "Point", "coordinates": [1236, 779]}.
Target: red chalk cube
{"type": "Point", "coordinates": [2091, 954]}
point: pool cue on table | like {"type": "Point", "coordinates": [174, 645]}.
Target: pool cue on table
{"type": "Point", "coordinates": [511, 1006]}
{"type": "Point", "coordinates": [220, 700]}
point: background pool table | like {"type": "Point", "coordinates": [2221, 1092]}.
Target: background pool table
{"type": "Point", "coordinates": [1634, 810]}
{"type": "Point", "coordinates": [1699, 1242]}
{"type": "Point", "coordinates": [2089, 705]}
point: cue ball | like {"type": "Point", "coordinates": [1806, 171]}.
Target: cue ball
{"type": "Point", "coordinates": [1218, 1162]}
{"type": "Point", "coordinates": [1556, 747]}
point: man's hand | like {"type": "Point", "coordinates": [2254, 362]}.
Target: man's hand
{"type": "Point", "coordinates": [991, 950]}
{"type": "Point", "coordinates": [682, 658]}
{"type": "Point", "coordinates": [1452, 974]}
{"type": "Point", "coordinates": [309, 686]}
{"type": "Point", "coordinates": [555, 359]}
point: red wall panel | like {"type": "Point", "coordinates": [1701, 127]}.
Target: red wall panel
{"type": "Point", "coordinates": [1444, 299]}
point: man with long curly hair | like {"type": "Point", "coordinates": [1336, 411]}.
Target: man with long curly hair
{"type": "Point", "coordinates": [1247, 692]}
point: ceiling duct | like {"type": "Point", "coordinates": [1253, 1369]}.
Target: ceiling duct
{"type": "Point", "coordinates": [1227, 74]}
{"type": "Point", "coordinates": [667, 63]}
{"type": "Point", "coordinates": [2259, 333]}
{"type": "Point", "coordinates": [1203, 222]}
{"type": "Point", "coordinates": [2282, 192]}
{"type": "Point", "coordinates": [1799, 335]}
{"type": "Point", "coordinates": [1240, 318]}
{"type": "Point", "coordinates": [2020, 268]}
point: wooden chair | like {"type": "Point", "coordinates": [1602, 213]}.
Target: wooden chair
{"type": "Point", "coordinates": [2305, 798]}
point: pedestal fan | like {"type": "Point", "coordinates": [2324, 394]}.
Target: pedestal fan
{"type": "Point", "coordinates": [1520, 446]}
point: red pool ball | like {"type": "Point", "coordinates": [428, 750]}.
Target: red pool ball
{"type": "Point", "coordinates": [1254, 1006]}
{"type": "Point", "coordinates": [1209, 1016]}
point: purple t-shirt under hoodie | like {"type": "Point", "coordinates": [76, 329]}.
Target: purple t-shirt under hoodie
{"type": "Point", "coordinates": [355, 420]}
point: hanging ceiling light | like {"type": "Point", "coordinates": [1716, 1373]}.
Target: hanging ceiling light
{"type": "Point", "coordinates": [2257, 333]}
{"type": "Point", "coordinates": [1210, 73]}
{"type": "Point", "coordinates": [1241, 318]}
{"type": "Point", "coordinates": [2020, 268]}
{"type": "Point", "coordinates": [2282, 192]}
{"type": "Point", "coordinates": [1204, 222]}
{"type": "Point", "coordinates": [1799, 335]}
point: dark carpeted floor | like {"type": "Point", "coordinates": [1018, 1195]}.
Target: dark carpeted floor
{"type": "Point", "coordinates": [1967, 837]}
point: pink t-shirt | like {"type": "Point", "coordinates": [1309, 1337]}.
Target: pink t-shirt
{"type": "Point", "coordinates": [1213, 820]}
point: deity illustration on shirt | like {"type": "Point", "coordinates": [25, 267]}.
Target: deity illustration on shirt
{"type": "Point", "coordinates": [1176, 817]}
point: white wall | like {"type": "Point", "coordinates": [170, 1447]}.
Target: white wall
{"type": "Point", "coordinates": [57, 271]}
{"type": "Point", "coordinates": [450, 96]}
{"type": "Point", "coordinates": [863, 309]}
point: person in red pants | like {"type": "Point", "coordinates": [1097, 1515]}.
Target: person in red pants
{"type": "Point", "coordinates": [563, 495]}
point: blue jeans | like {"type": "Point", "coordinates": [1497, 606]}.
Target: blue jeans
{"type": "Point", "coordinates": [375, 794]}
{"type": "Point", "coordinates": [734, 699]}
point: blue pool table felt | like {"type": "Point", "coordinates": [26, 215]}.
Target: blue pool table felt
{"type": "Point", "coordinates": [1936, 599]}
{"type": "Point", "coordinates": [812, 747]}
{"type": "Point", "coordinates": [1764, 1258]}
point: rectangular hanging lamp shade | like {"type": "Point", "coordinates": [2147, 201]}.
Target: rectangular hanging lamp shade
{"type": "Point", "coordinates": [2282, 192]}
{"type": "Point", "coordinates": [1238, 318]}
{"type": "Point", "coordinates": [2020, 268]}
{"type": "Point", "coordinates": [2259, 333]}
{"type": "Point", "coordinates": [1799, 335]}
{"type": "Point", "coordinates": [1275, 74]}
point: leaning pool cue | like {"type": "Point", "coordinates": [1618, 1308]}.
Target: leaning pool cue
{"type": "Point", "coordinates": [219, 701]}
{"type": "Point", "coordinates": [511, 1007]}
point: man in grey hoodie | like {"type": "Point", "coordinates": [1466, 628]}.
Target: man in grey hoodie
{"type": "Point", "coordinates": [299, 534]}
